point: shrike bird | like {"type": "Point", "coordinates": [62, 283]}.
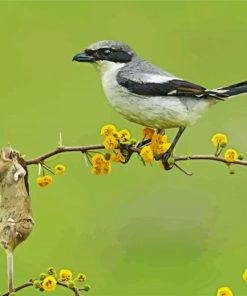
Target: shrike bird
{"type": "Point", "coordinates": [148, 95]}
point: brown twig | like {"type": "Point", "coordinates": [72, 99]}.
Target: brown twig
{"type": "Point", "coordinates": [30, 283]}
{"type": "Point", "coordinates": [209, 157]}
{"type": "Point", "coordinates": [84, 149]}
{"type": "Point", "coordinates": [64, 149]}
{"type": "Point", "coordinates": [75, 290]}
{"type": "Point", "coordinates": [18, 288]}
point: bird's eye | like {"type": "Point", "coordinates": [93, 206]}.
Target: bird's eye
{"type": "Point", "coordinates": [107, 51]}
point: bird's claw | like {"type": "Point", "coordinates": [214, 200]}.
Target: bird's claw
{"type": "Point", "coordinates": [124, 148]}
{"type": "Point", "coordinates": [167, 160]}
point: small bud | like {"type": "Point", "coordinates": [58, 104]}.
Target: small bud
{"type": "Point", "coordinates": [107, 156]}
{"type": "Point", "coordinates": [36, 284]}
{"type": "Point", "coordinates": [12, 294]}
{"type": "Point", "coordinates": [51, 271]}
{"type": "Point", "coordinates": [81, 277]}
{"type": "Point", "coordinates": [86, 288]}
{"type": "Point", "coordinates": [240, 156]}
{"type": "Point", "coordinates": [223, 144]}
{"type": "Point", "coordinates": [71, 284]}
{"type": "Point", "coordinates": [231, 172]}
{"type": "Point", "coordinates": [41, 289]}
{"type": "Point", "coordinates": [133, 141]}
{"type": "Point", "coordinates": [171, 161]}
{"type": "Point", "coordinates": [42, 276]}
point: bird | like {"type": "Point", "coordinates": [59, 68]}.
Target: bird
{"type": "Point", "coordinates": [148, 95]}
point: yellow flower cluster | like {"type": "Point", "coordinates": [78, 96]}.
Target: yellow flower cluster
{"type": "Point", "coordinates": [59, 169]}
{"type": "Point", "coordinates": [219, 140]}
{"type": "Point", "coordinates": [147, 154]}
{"type": "Point", "coordinates": [158, 145]}
{"type": "Point", "coordinates": [112, 140]}
{"type": "Point", "coordinates": [44, 181]}
{"type": "Point", "coordinates": [231, 155]}
{"type": "Point", "coordinates": [48, 281]}
{"type": "Point", "coordinates": [244, 276]}
{"type": "Point", "coordinates": [147, 133]}
{"type": "Point", "coordinates": [117, 156]}
{"type": "Point", "coordinates": [224, 291]}
{"type": "Point", "coordinates": [81, 277]}
{"type": "Point", "coordinates": [65, 275]}
{"type": "Point", "coordinates": [112, 137]}
{"type": "Point", "coordinates": [101, 166]}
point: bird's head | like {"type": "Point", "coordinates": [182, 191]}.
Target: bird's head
{"type": "Point", "coordinates": [105, 54]}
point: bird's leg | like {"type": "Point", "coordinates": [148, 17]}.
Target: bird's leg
{"type": "Point", "coordinates": [10, 270]}
{"type": "Point", "coordinates": [125, 149]}
{"type": "Point", "coordinates": [161, 131]}
{"type": "Point", "coordinates": [165, 157]}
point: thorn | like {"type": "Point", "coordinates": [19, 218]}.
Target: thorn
{"type": "Point", "coordinates": [60, 142]}
{"type": "Point", "coordinates": [86, 160]}
{"type": "Point", "coordinates": [182, 170]}
{"type": "Point", "coordinates": [39, 169]}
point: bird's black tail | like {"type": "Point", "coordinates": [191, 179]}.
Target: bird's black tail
{"type": "Point", "coordinates": [222, 93]}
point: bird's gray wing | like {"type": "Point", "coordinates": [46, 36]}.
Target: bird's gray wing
{"type": "Point", "coordinates": [147, 84]}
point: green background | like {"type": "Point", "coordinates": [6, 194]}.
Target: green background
{"type": "Point", "coordinates": [139, 230]}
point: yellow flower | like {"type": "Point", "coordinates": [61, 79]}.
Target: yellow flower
{"type": "Point", "coordinates": [159, 144]}
{"type": "Point", "coordinates": [44, 181]}
{"type": "Point", "coordinates": [147, 154]}
{"type": "Point", "coordinates": [81, 277]}
{"type": "Point", "coordinates": [158, 139]}
{"type": "Point", "coordinates": [219, 140]}
{"type": "Point", "coordinates": [108, 130]}
{"type": "Point", "coordinates": [101, 166]}
{"type": "Point", "coordinates": [48, 179]}
{"type": "Point", "coordinates": [160, 149]}
{"type": "Point", "coordinates": [98, 159]}
{"type": "Point", "coordinates": [111, 143]}
{"type": "Point", "coordinates": [37, 284]}
{"type": "Point", "coordinates": [96, 170]}
{"type": "Point", "coordinates": [65, 275]}
{"type": "Point", "coordinates": [224, 291]}
{"type": "Point", "coordinates": [101, 170]}
{"type": "Point", "coordinates": [117, 156]}
{"type": "Point", "coordinates": [231, 155]}
{"type": "Point", "coordinates": [59, 169]}
{"type": "Point", "coordinates": [245, 275]}
{"type": "Point", "coordinates": [123, 135]}
{"type": "Point", "coordinates": [51, 271]}
{"type": "Point", "coordinates": [49, 283]}
{"type": "Point", "coordinates": [106, 169]}
{"type": "Point", "coordinates": [41, 182]}
{"type": "Point", "coordinates": [147, 133]}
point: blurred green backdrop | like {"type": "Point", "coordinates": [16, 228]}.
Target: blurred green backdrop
{"type": "Point", "coordinates": [140, 230]}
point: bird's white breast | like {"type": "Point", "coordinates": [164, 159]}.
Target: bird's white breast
{"type": "Point", "coordinates": [157, 112]}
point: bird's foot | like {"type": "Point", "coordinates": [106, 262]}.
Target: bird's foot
{"type": "Point", "coordinates": [167, 160]}
{"type": "Point", "coordinates": [124, 148]}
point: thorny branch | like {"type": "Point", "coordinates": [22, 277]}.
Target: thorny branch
{"type": "Point", "coordinates": [131, 149]}
{"type": "Point", "coordinates": [30, 283]}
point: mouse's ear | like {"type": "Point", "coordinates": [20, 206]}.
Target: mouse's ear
{"type": "Point", "coordinates": [5, 161]}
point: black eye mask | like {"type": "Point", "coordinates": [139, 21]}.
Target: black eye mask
{"type": "Point", "coordinates": [112, 55]}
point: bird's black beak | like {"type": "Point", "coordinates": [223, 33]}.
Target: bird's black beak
{"type": "Point", "coordinates": [83, 57]}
